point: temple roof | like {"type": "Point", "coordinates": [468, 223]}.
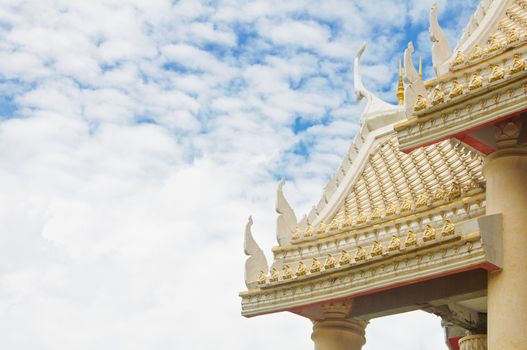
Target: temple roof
{"type": "Point", "coordinates": [384, 207]}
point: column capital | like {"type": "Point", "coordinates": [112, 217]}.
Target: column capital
{"type": "Point", "coordinates": [473, 342]}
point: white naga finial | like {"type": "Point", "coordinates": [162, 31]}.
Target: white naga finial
{"type": "Point", "coordinates": [256, 264]}
{"type": "Point", "coordinates": [416, 87]}
{"type": "Point", "coordinates": [377, 111]}
{"type": "Point", "coordinates": [286, 221]}
{"type": "Point", "coordinates": [440, 48]}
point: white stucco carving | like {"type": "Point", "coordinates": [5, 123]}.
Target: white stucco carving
{"type": "Point", "coordinates": [256, 263]}
{"type": "Point", "coordinates": [286, 221]}
{"type": "Point", "coordinates": [416, 86]}
{"type": "Point", "coordinates": [377, 112]}
{"type": "Point", "coordinates": [441, 51]}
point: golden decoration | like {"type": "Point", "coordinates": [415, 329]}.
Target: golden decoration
{"type": "Point", "coordinates": [439, 194]}
{"type": "Point", "coordinates": [309, 231]}
{"type": "Point", "coordinates": [437, 97]}
{"type": "Point", "coordinates": [476, 81]}
{"type": "Point", "coordinates": [316, 266]}
{"type": "Point", "coordinates": [513, 36]}
{"type": "Point", "coordinates": [497, 73]}
{"type": "Point", "coordinates": [518, 65]}
{"type": "Point", "coordinates": [411, 239]}
{"type": "Point", "coordinates": [321, 228]}
{"type": "Point", "coordinates": [375, 214]}
{"type": "Point", "coordinates": [400, 86]}
{"type": "Point", "coordinates": [460, 58]}
{"type": "Point", "coordinates": [473, 184]}
{"type": "Point", "coordinates": [420, 104]}
{"type": "Point", "coordinates": [391, 209]}
{"type": "Point", "coordinates": [476, 53]}
{"type": "Point", "coordinates": [361, 218]}
{"type": "Point", "coordinates": [448, 228]}
{"type": "Point", "coordinates": [422, 200]}
{"type": "Point", "coordinates": [274, 275]}
{"type": "Point", "coordinates": [345, 258]}
{"type": "Point", "coordinates": [395, 244]}
{"type": "Point", "coordinates": [376, 250]}
{"type": "Point", "coordinates": [429, 234]}
{"type": "Point", "coordinates": [406, 205]}
{"type": "Point", "coordinates": [287, 272]}
{"type": "Point", "coordinates": [296, 233]}
{"type": "Point", "coordinates": [262, 278]}
{"type": "Point", "coordinates": [302, 269]}
{"type": "Point", "coordinates": [493, 44]}
{"type": "Point", "coordinates": [334, 224]}
{"type": "Point", "coordinates": [454, 191]}
{"type": "Point", "coordinates": [348, 222]}
{"type": "Point", "coordinates": [330, 262]}
{"type": "Point", "coordinates": [456, 89]}
{"type": "Point", "coordinates": [360, 254]}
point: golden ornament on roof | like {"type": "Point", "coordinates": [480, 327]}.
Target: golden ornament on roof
{"type": "Point", "coordinates": [262, 278]}
{"type": "Point", "coordinates": [448, 228]}
{"type": "Point", "coordinates": [360, 254]}
{"type": "Point", "coordinates": [439, 194]}
{"type": "Point", "coordinates": [391, 209]}
{"type": "Point", "coordinates": [513, 36]}
{"type": "Point", "coordinates": [361, 218]}
{"type": "Point", "coordinates": [334, 224]}
{"type": "Point", "coordinates": [518, 65]}
{"type": "Point", "coordinates": [420, 104]}
{"type": "Point", "coordinates": [496, 73]}
{"type": "Point", "coordinates": [406, 204]}
{"type": "Point", "coordinates": [429, 234]}
{"type": "Point", "coordinates": [348, 222]}
{"type": "Point", "coordinates": [477, 52]}
{"type": "Point", "coordinates": [493, 44]}
{"type": "Point", "coordinates": [316, 266]}
{"type": "Point", "coordinates": [476, 81]}
{"type": "Point", "coordinates": [309, 231]}
{"type": "Point", "coordinates": [287, 272]}
{"type": "Point", "coordinates": [302, 269]}
{"type": "Point", "coordinates": [454, 191]}
{"type": "Point", "coordinates": [422, 200]}
{"type": "Point", "coordinates": [473, 184]}
{"type": "Point", "coordinates": [321, 228]}
{"type": "Point", "coordinates": [460, 58]}
{"type": "Point", "coordinates": [456, 89]}
{"type": "Point", "coordinates": [375, 214]}
{"type": "Point", "coordinates": [437, 97]}
{"type": "Point", "coordinates": [411, 239]}
{"type": "Point", "coordinates": [274, 275]}
{"type": "Point", "coordinates": [376, 250]}
{"type": "Point", "coordinates": [330, 262]}
{"type": "Point", "coordinates": [395, 244]}
{"type": "Point", "coordinates": [345, 258]}
{"type": "Point", "coordinates": [296, 233]}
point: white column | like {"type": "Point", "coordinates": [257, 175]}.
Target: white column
{"type": "Point", "coordinates": [335, 331]}
{"type": "Point", "coordinates": [506, 174]}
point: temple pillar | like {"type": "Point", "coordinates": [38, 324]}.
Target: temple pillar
{"type": "Point", "coordinates": [335, 331]}
{"type": "Point", "coordinates": [506, 174]}
{"type": "Point", "coordinates": [473, 342]}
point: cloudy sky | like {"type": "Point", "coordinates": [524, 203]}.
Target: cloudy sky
{"type": "Point", "coordinates": [136, 137]}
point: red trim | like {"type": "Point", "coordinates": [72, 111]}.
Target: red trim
{"type": "Point", "coordinates": [464, 132]}
{"type": "Point", "coordinates": [472, 142]}
{"type": "Point", "coordinates": [454, 343]}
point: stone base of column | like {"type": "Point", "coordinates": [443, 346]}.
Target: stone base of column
{"type": "Point", "coordinates": [473, 342]}
{"type": "Point", "coordinates": [339, 334]}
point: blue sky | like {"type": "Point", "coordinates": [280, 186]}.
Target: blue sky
{"type": "Point", "coordinates": [137, 136]}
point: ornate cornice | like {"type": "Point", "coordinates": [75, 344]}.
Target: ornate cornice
{"type": "Point", "coordinates": [472, 244]}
